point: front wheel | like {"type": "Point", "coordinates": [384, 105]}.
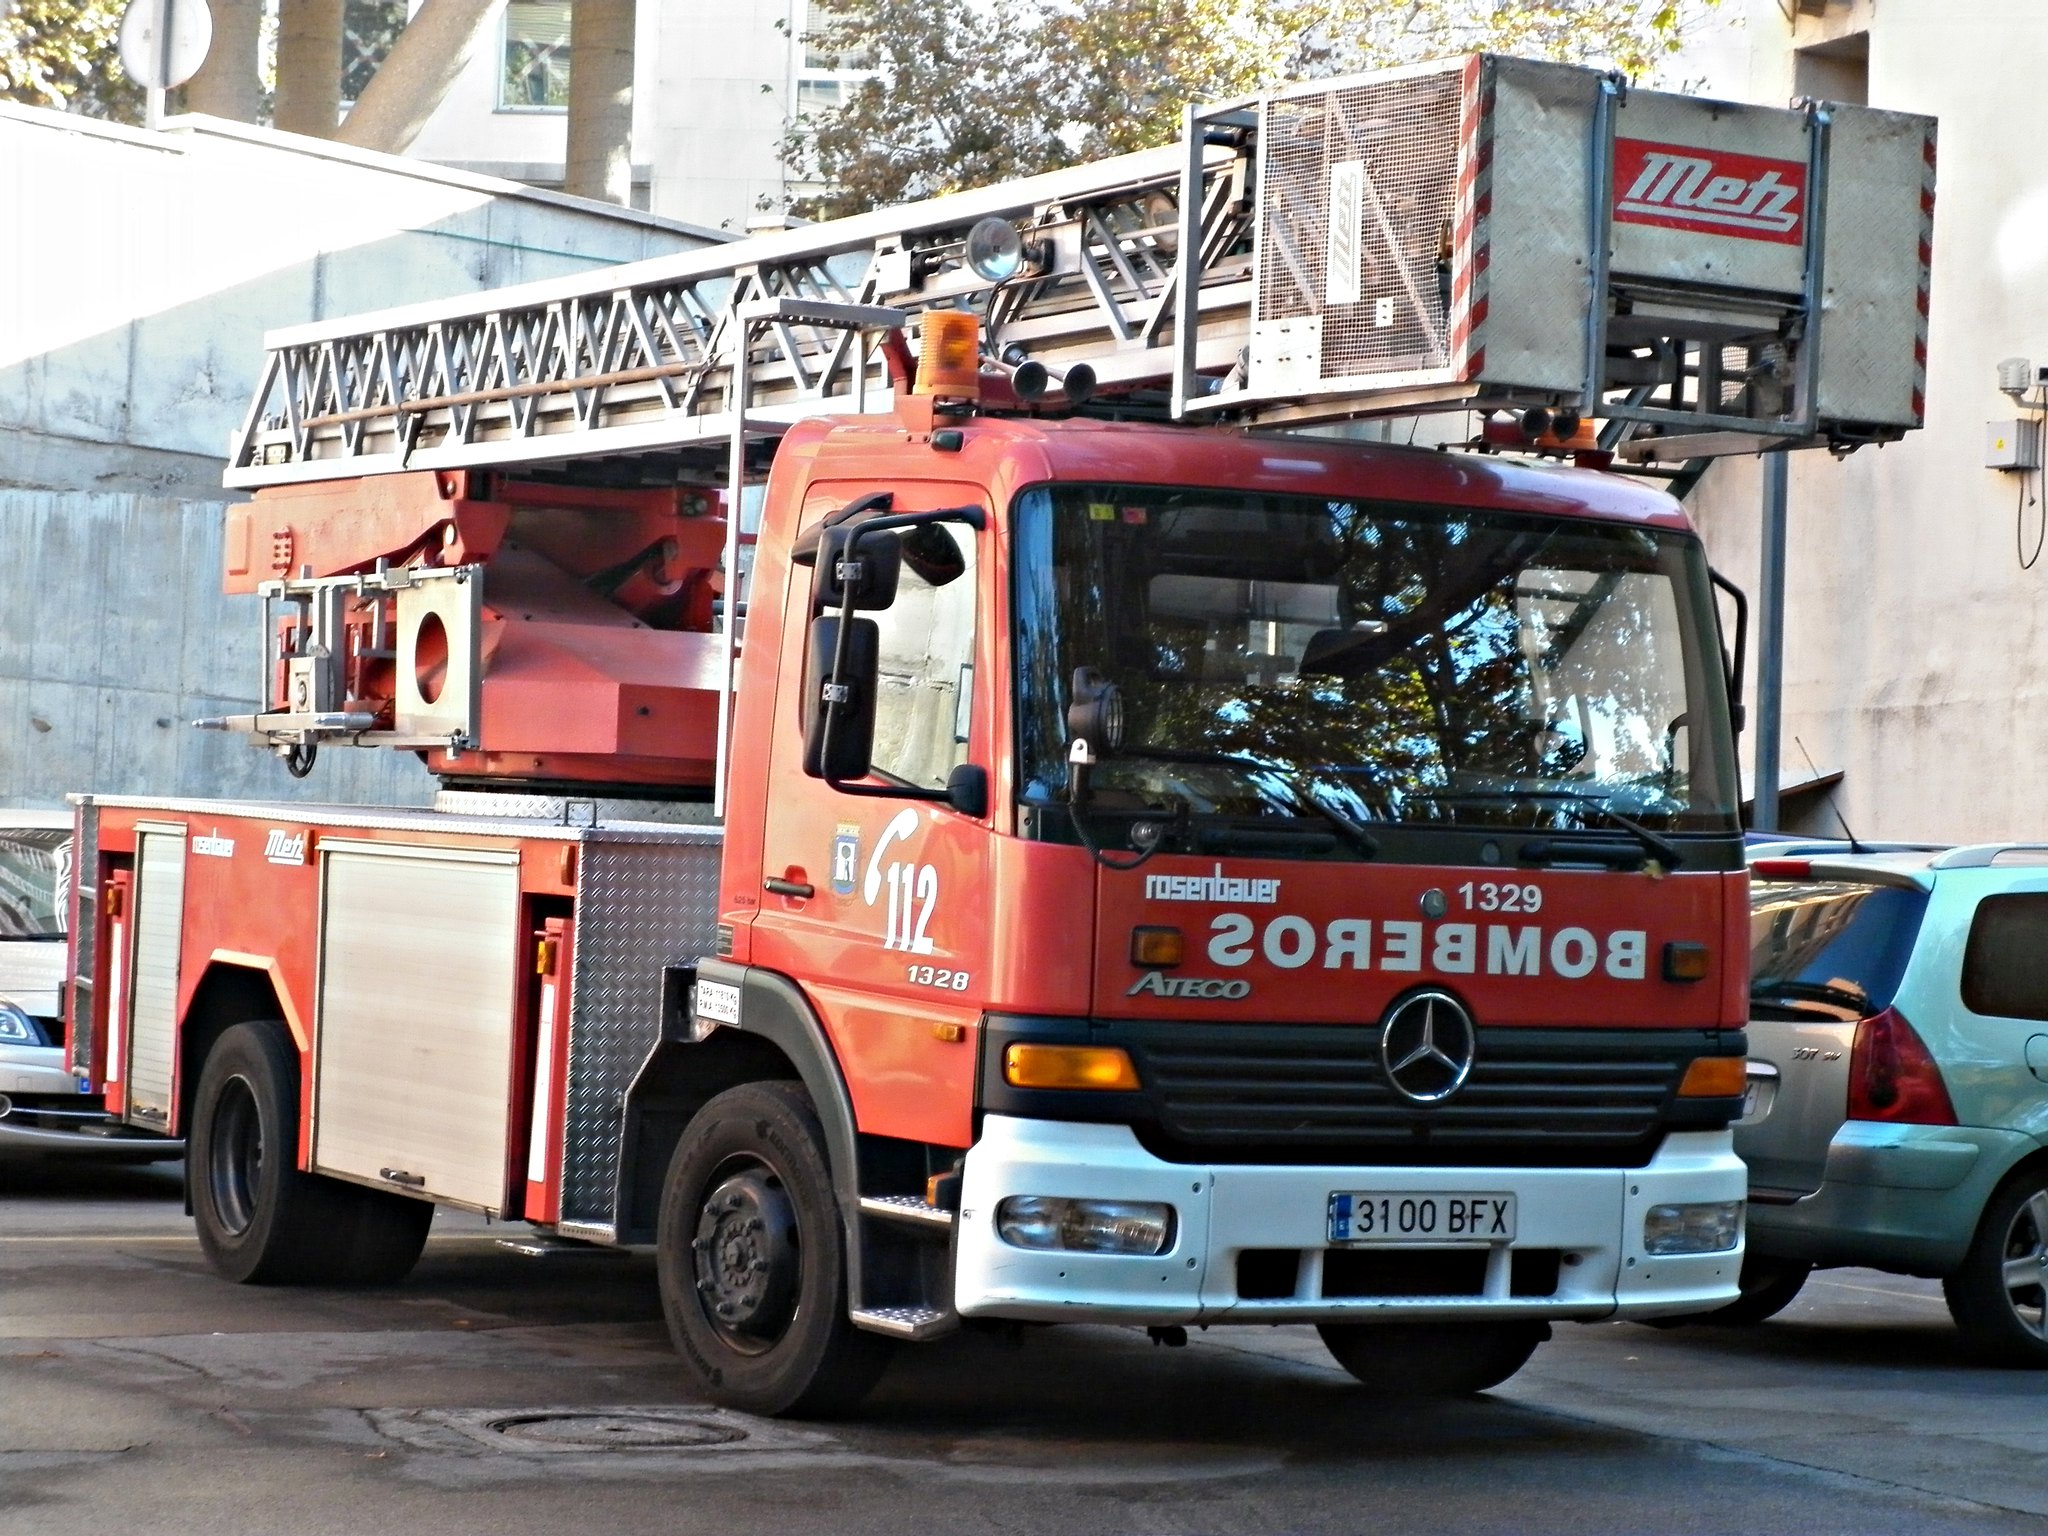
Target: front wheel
{"type": "Point", "coordinates": [752, 1259]}
{"type": "Point", "coordinates": [1999, 1298]}
{"type": "Point", "coordinates": [1432, 1359]}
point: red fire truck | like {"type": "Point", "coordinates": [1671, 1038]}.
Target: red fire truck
{"type": "Point", "coordinates": [1012, 836]}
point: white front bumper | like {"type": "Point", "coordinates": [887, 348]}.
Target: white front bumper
{"type": "Point", "coordinates": [1591, 1218]}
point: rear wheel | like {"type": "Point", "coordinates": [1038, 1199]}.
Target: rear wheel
{"type": "Point", "coordinates": [1432, 1359]}
{"type": "Point", "coordinates": [753, 1260]}
{"type": "Point", "coordinates": [1999, 1298]}
{"type": "Point", "coordinates": [263, 1222]}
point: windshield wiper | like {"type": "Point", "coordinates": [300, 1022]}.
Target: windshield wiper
{"type": "Point", "coordinates": [1663, 847]}
{"type": "Point", "coordinates": [1354, 831]}
{"type": "Point", "coordinates": [1556, 851]}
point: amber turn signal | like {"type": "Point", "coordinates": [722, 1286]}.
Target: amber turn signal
{"type": "Point", "coordinates": [1715, 1077]}
{"type": "Point", "coordinates": [1154, 948]}
{"type": "Point", "coordinates": [949, 354]}
{"type": "Point", "coordinates": [1071, 1066]}
{"type": "Point", "coordinates": [1686, 962]}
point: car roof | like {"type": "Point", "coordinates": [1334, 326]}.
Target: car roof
{"type": "Point", "coordinates": [1916, 864]}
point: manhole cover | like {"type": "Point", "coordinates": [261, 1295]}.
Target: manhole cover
{"type": "Point", "coordinates": [585, 1431]}
{"type": "Point", "coordinates": [612, 1431]}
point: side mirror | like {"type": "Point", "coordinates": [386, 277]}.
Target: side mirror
{"type": "Point", "coordinates": [967, 790]}
{"type": "Point", "coordinates": [869, 567]}
{"type": "Point", "coordinates": [839, 697]}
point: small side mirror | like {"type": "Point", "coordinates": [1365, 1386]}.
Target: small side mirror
{"type": "Point", "coordinates": [967, 790]}
{"type": "Point", "coordinates": [839, 698]}
{"type": "Point", "coordinates": [870, 567]}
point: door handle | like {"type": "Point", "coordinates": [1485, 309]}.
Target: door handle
{"type": "Point", "coordinates": [781, 887]}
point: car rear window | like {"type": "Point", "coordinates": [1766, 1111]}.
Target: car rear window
{"type": "Point", "coordinates": [2003, 970]}
{"type": "Point", "coordinates": [1834, 947]}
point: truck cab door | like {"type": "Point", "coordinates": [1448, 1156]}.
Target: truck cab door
{"type": "Point", "coordinates": [878, 906]}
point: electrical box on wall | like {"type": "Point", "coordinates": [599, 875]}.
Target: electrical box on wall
{"type": "Point", "coordinates": [2014, 444]}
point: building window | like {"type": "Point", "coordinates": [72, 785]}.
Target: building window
{"type": "Point", "coordinates": [536, 72]}
{"type": "Point", "coordinates": [368, 29]}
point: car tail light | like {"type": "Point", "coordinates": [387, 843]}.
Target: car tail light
{"type": "Point", "coordinates": [1893, 1077]}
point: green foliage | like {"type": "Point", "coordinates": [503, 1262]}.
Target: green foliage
{"type": "Point", "coordinates": [970, 94]}
{"type": "Point", "coordinates": [64, 53]}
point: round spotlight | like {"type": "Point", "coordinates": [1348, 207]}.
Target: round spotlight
{"type": "Point", "coordinates": [995, 251]}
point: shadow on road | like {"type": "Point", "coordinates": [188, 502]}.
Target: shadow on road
{"type": "Point", "coordinates": [59, 1180]}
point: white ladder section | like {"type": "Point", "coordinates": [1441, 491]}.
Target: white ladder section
{"type": "Point", "coordinates": [639, 358]}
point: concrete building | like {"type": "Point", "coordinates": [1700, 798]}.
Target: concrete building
{"type": "Point", "coordinates": [715, 89]}
{"type": "Point", "coordinates": [1916, 654]}
{"type": "Point", "coordinates": [138, 274]}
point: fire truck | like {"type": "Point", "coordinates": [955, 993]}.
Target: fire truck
{"type": "Point", "coordinates": [1063, 823]}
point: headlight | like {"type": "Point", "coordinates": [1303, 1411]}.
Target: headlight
{"type": "Point", "coordinates": [1709, 1228]}
{"type": "Point", "coordinates": [1086, 1226]}
{"type": "Point", "coordinates": [17, 1028]}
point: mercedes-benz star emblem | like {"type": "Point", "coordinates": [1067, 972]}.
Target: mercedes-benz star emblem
{"type": "Point", "coordinates": [1426, 1047]}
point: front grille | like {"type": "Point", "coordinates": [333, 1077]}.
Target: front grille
{"type": "Point", "coordinates": [1318, 1093]}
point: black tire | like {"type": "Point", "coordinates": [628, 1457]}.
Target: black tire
{"type": "Point", "coordinates": [1415, 1360]}
{"type": "Point", "coordinates": [1999, 1298]}
{"type": "Point", "coordinates": [263, 1222]}
{"type": "Point", "coordinates": [1767, 1285]}
{"type": "Point", "coordinates": [752, 1259]}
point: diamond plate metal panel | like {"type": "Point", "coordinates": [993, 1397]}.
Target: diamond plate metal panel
{"type": "Point", "coordinates": [641, 906]}
{"type": "Point", "coordinates": [1872, 328]}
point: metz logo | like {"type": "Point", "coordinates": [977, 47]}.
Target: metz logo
{"type": "Point", "coordinates": [285, 847]}
{"type": "Point", "coordinates": [1679, 187]}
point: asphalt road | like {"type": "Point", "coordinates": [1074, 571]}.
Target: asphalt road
{"type": "Point", "coordinates": [493, 1393]}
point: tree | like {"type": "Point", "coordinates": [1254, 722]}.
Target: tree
{"type": "Point", "coordinates": [598, 162]}
{"type": "Point", "coordinates": [63, 53]}
{"type": "Point", "coordinates": [228, 84]}
{"type": "Point", "coordinates": [962, 96]}
{"type": "Point", "coordinates": [308, 67]}
{"type": "Point", "coordinates": [414, 77]}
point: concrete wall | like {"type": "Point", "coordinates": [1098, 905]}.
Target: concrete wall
{"type": "Point", "coordinates": [137, 278]}
{"type": "Point", "coordinates": [1917, 646]}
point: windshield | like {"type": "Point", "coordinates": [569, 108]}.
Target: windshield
{"type": "Point", "coordinates": [1286, 656]}
{"type": "Point", "coordinates": [1829, 947]}
{"type": "Point", "coordinates": [34, 866]}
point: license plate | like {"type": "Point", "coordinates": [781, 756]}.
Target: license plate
{"type": "Point", "coordinates": [1413, 1217]}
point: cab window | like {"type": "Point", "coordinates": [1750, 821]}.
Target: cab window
{"type": "Point", "coordinates": [925, 695]}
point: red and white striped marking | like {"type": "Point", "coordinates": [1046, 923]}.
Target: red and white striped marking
{"type": "Point", "coordinates": [1471, 231]}
{"type": "Point", "coordinates": [1926, 277]}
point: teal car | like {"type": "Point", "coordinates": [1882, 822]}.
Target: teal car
{"type": "Point", "coordinates": [1898, 1111]}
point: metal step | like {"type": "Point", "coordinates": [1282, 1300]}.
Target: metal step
{"type": "Point", "coordinates": [541, 1245]}
{"type": "Point", "coordinates": [909, 1209]}
{"type": "Point", "coordinates": [913, 1323]}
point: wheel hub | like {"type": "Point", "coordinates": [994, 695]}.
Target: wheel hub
{"type": "Point", "coordinates": [746, 1257]}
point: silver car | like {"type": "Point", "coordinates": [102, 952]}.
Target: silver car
{"type": "Point", "coordinates": [1899, 1075]}
{"type": "Point", "coordinates": [41, 1107]}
